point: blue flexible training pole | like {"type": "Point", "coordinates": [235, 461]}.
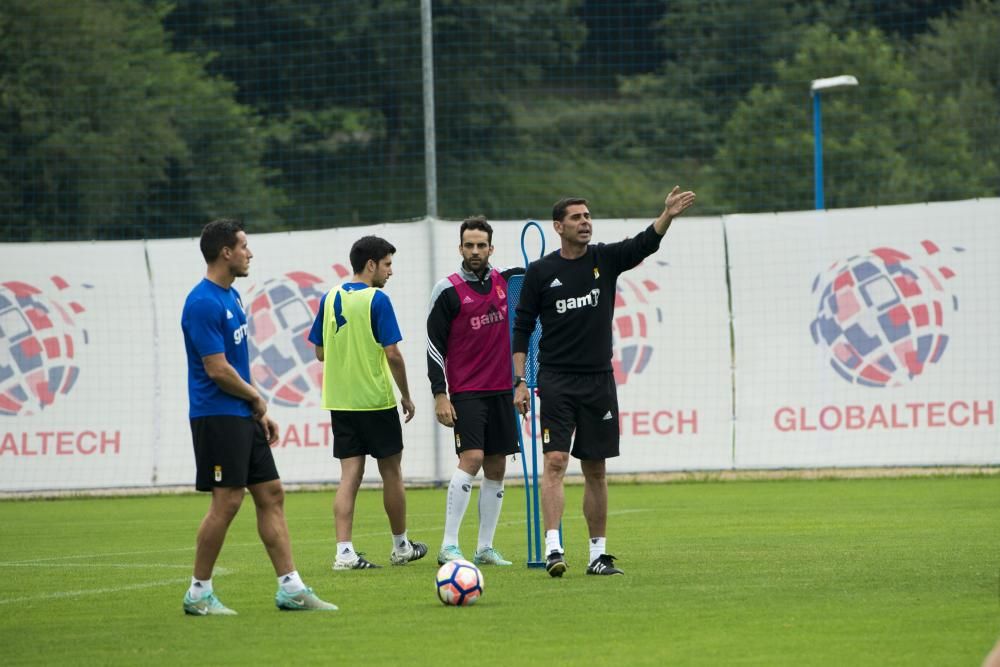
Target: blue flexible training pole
{"type": "Point", "coordinates": [531, 496]}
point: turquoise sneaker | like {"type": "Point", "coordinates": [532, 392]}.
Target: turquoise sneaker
{"type": "Point", "coordinates": [206, 605]}
{"type": "Point", "coordinates": [448, 553]}
{"type": "Point", "coordinates": [304, 600]}
{"type": "Point", "coordinates": [489, 556]}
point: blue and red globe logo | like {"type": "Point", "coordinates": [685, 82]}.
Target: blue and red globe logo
{"type": "Point", "coordinates": [39, 342]}
{"type": "Point", "coordinates": [881, 317]}
{"type": "Point", "coordinates": [279, 316]}
{"type": "Point", "coordinates": [636, 315]}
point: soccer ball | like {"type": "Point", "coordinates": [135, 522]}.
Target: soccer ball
{"type": "Point", "coordinates": [459, 583]}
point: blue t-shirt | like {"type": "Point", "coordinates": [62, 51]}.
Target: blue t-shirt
{"type": "Point", "coordinates": [213, 321]}
{"type": "Point", "coordinates": [385, 328]}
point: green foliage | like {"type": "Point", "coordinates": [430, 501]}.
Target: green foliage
{"type": "Point", "coordinates": [960, 59]}
{"type": "Point", "coordinates": [373, 49]}
{"type": "Point", "coordinates": [136, 118]}
{"type": "Point", "coordinates": [104, 130]}
{"type": "Point", "coordinates": [473, 47]}
{"type": "Point", "coordinates": [653, 119]}
{"type": "Point", "coordinates": [850, 572]}
{"type": "Point", "coordinates": [887, 141]}
{"type": "Point", "coordinates": [717, 50]}
{"type": "Point", "coordinates": [621, 39]}
{"type": "Point", "coordinates": [502, 190]}
{"type": "Point", "coordinates": [604, 150]}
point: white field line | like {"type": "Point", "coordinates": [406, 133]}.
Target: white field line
{"type": "Point", "coordinates": [219, 571]}
{"type": "Point", "coordinates": [168, 566]}
{"type": "Point", "coordinates": [95, 591]}
{"type": "Point", "coordinates": [55, 595]}
{"type": "Point", "coordinates": [256, 544]}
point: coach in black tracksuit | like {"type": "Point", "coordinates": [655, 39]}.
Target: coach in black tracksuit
{"type": "Point", "coordinates": [572, 290]}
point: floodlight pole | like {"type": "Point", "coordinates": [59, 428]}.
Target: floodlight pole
{"type": "Point", "coordinates": [815, 88]}
{"type": "Point", "coordinates": [818, 153]}
{"type": "Point", "coordinates": [430, 140]}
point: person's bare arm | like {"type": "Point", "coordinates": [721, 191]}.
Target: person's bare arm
{"type": "Point", "coordinates": [521, 394]}
{"type": "Point", "coordinates": [225, 376]}
{"type": "Point", "coordinates": [398, 369]}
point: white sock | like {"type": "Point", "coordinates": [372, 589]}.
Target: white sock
{"type": "Point", "coordinates": [200, 587]}
{"type": "Point", "coordinates": [291, 582]}
{"type": "Point", "coordinates": [345, 551]}
{"type": "Point", "coordinates": [597, 546]}
{"type": "Point", "coordinates": [552, 542]}
{"type": "Point", "coordinates": [400, 543]}
{"type": "Point", "coordinates": [459, 492]}
{"type": "Point", "coordinates": [490, 502]}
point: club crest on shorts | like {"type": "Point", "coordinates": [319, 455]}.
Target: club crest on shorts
{"type": "Point", "coordinates": [218, 473]}
{"type": "Point", "coordinates": [458, 441]}
{"type": "Point", "coordinates": [545, 436]}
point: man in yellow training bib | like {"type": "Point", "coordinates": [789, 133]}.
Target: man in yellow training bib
{"type": "Point", "coordinates": [356, 336]}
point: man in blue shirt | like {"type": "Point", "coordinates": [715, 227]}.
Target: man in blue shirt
{"type": "Point", "coordinates": [231, 430]}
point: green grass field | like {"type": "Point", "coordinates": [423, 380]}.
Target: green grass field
{"type": "Point", "coordinates": [840, 572]}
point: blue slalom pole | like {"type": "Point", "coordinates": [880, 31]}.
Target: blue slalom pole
{"type": "Point", "coordinates": [531, 496]}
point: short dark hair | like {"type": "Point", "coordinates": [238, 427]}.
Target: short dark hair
{"type": "Point", "coordinates": [559, 208]}
{"type": "Point", "coordinates": [217, 235]}
{"type": "Point", "coordinates": [476, 222]}
{"type": "Point", "coordinates": [369, 247]}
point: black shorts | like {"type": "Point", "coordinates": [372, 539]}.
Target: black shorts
{"type": "Point", "coordinates": [375, 433]}
{"type": "Point", "coordinates": [230, 452]}
{"type": "Point", "coordinates": [586, 403]}
{"type": "Point", "coordinates": [486, 423]}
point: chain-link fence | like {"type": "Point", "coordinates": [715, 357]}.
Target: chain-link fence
{"type": "Point", "coordinates": [137, 119]}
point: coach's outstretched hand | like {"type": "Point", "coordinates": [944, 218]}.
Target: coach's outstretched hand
{"type": "Point", "coordinates": [678, 202]}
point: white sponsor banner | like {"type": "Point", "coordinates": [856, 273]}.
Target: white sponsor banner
{"type": "Point", "coordinates": [867, 336]}
{"type": "Point", "coordinates": [671, 347]}
{"type": "Point", "coordinates": [862, 337]}
{"type": "Point", "coordinates": [77, 368]}
{"type": "Point", "coordinates": [288, 275]}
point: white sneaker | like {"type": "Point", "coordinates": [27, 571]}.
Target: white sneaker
{"type": "Point", "coordinates": [413, 551]}
{"type": "Point", "coordinates": [358, 562]}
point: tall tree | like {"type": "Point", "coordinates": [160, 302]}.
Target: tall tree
{"type": "Point", "coordinates": [960, 58]}
{"type": "Point", "coordinates": [715, 51]}
{"type": "Point", "coordinates": [622, 38]}
{"type": "Point", "coordinates": [107, 133]}
{"type": "Point", "coordinates": [340, 85]}
{"type": "Point", "coordinates": [887, 141]}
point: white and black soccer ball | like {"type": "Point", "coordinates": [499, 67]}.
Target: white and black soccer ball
{"type": "Point", "coordinates": [459, 583]}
